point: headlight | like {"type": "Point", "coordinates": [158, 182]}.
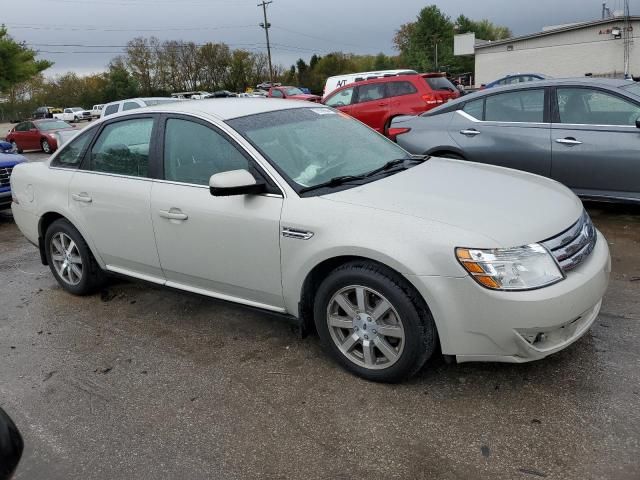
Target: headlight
{"type": "Point", "coordinates": [520, 268]}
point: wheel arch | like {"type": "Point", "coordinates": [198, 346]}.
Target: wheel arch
{"type": "Point", "coordinates": [322, 269]}
{"type": "Point", "coordinates": [51, 216]}
{"type": "Point", "coordinates": [443, 152]}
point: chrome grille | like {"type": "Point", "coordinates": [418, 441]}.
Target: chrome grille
{"type": "Point", "coordinates": [5, 174]}
{"type": "Point", "coordinates": [572, 246]}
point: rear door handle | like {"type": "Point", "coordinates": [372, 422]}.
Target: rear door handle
{"type": "Point", "coordinates": [568, 141]}
{"type": "Point", "coordinates": [173, 214]}
{"type": "Point", "coordinates": [81, 197]}
{"type": "Point", "coordinates": [472, 132]}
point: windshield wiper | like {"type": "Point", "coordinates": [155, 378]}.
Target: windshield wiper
{"type": "Point", "coordinates": [334, 182]}
{"type": "Point", "coordinates": [396, 162]}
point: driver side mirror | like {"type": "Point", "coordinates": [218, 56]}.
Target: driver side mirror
{"type": "Point", "coordinates": [235, 182]}
{"type": "Point", "coordinates": [638, 122]}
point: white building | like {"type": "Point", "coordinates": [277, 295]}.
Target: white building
{"type": "Point", "coordinates": [573, 50]}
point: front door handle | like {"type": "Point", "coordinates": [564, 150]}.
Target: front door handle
{"type": "Point", "coordinates": [81, 197]}
{"type": "Point", "coordinates": [173, 214]}
{"type": "Point", "coordinates": [472, 132]}
{"type": "Point", "coordinates": [568, 141]}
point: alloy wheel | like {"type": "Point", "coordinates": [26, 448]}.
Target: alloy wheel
{"type": "Point", "coordinates": [46, 148]}
{"type": "Point", "coordinates": [365, 327]}
{"type": "Point", "coordinates": [66, 258]}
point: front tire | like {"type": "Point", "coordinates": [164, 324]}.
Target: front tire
{"type": "Point", "coordinates": [70, 260]}
{"type": "Point", "coordinates": [46, 146]}
{"type": "Point", "coordinates": [373, 323]}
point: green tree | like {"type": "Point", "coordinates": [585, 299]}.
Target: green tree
{"type": "Point", "coordinates": [17, 62]}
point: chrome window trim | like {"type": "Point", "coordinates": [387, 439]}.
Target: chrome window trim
{"type": "Point", "coordinates": [475, 120]}
{"type": "Point", "coordinates": [206, 187]}
{"type": "Point", "coordinates": [595, 125]}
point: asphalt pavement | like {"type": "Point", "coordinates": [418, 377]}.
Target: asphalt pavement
{"type": "Point", "coordinates": [141, 382]}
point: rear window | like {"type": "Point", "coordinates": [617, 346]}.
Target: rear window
{"type": "Point", "coordinates": [440, 83]}
{"type": "Point", "coordinates": [53, 125]}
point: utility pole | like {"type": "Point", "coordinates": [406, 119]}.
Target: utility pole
{"type": "Point", "coordinates": [266, 25]}
{"type": "Point", "coordinates": [627, 35]}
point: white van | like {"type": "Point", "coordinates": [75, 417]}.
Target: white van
{"type": "Point", "coordinates": [131, 103]}
{"type": "Point", "coordinates": [341, 80]}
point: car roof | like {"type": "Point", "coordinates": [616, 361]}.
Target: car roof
{"type": "Point", "coordinates": [230, 107]}
{"type": "Point", "coordinates": [612, 83]}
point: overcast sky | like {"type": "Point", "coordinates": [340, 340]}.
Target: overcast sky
{"type": "Point", "coordinates": [299, 27]}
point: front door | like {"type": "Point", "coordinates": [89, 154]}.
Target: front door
{"type": "Point", "coordinates": [508, 129]}
{"type": "Point", "coordinates": [110, 195]}
{"type": "Point", "coordinates": [226, 247]}
{"type": "Point", "coordinates": [373, 106]}
{"type": "Point", "coordinates": [596, 143]}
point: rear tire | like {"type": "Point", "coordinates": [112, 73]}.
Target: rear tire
{"type": "Point", "coordinates": [373, 323]}
{"type": "Point", "coordinates": [70, 259]}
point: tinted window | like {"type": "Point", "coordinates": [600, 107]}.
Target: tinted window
{"type": "Point", "coordinates": [194, 152]}
{"type": "Point", "coordinates": [440, 83]}
{"type": "Point", "coordinates": [277, 94]}
{"type": "Point", "coordinates": [397, 89]}
{"type": "Point", "coordinates": [111, 109]}
{"type": "Point", "coordinates": [22, 127]}
{"type": "Point", "coordinates": [368, 93]}
{"type": "Point", "coordinates": [522, 106]}
{"type": "Point", "coordinates": [130, 106]}
{"type": "Point", "coordinates": [474, 108]}
{"type": "Point", "coordinates": [340, 99]}
{"type": "Point", "coordinates": [594, 107]}
{"type": "Point", "coordinates": [71, 155]}
{"type": "Point", "coordinates": [123, 148]}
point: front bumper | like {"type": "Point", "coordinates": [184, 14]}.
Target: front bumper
{"type": "Point", "coordinates": [477, 324]}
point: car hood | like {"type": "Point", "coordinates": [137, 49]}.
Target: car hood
{"type": "Point", "coordinates": [510, 207]}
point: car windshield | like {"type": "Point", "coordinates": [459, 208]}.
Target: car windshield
{"type": "Point", "coordinates": [440, 83]}
{"type": "Point", "coordinates": [633, 88]}
{"type": "Point", "coordinates": [76, 109]}
{"type": "Point", "coordinates": [294, 91]}
{"type": "Point", "coordinates": [52, 125]}
{"type": "Point", "coordinates": [311, 146]}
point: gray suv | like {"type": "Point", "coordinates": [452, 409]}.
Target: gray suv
{"type": "Point", "coordinates": [584, 133]}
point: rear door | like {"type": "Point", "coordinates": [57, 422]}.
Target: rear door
{"type": "Point", "coordinates": [595, 142]}
{"type": "Point", "coordinates": [373, 104]}
{"type": "Point", "coordinates": [509, 129]}
{"type": "Point", "coordinates": [111, 192]}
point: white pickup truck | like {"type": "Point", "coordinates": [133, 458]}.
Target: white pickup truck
{"type": "Point", "coordinates": [97, 110]}
{"type": "Point", "coordinates": [73, 114]}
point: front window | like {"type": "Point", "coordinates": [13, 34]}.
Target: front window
{"type": "Point", "coordinates": [294, 91]}
{"type": "Point", "coordinates": [310, 146]}
{"type": "Point", "coordinates": [341, 98]}
{"type": "Point", "coordinates": [594, 107]}
{"type": "Point", "coordinates": [53, 125]}
{"type": "Point", "coordinates": [76, 109]}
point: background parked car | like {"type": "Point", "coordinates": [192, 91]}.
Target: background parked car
{"type": "Point", "coordinates": [8, 159]}
{"type": "Point", "coordinates": [96, 110]}
{"type": "Point", "coordinates": [338, 81]}
{"type": "Point", "coordinates": [376, 102]}
{"type": "Point", "coordinates": [131, 103]}
{"type": "Point", "coordinates": [292, 93]}
{"type": "Point", "coordinates": [46, 112]}
{"type": "Point", "coordinates": [46, 135]}
{"type": "Point", "coordinates": [516, 78]}
{"type": "Point", "coordinates": [73, 114]}
{"type": "Point", "coordinates": [581, 132]}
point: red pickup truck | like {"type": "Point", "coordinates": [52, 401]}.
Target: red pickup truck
{"type": "Point", "coordinates": [292, 93]}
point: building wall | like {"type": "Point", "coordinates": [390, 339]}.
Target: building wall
{"type": "Point", "coordinates": [562, 54]}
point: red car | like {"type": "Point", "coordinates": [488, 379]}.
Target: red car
{"type": "Point", "coordinates": [375, 102]}
{"type": "Point", "coordinates": [38, 135]}
{"type": "Point", "coordinates": [292, 93]}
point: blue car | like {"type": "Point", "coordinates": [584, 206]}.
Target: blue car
{"type": "Point", "coordinates": [8, 160]}
{"type": "Point", "coordinates": [517, 78]}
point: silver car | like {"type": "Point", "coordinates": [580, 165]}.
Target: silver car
{"type": "Point", "coordinates": [581, 132]}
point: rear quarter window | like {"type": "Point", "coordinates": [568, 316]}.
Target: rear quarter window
{"type": "Point", "coordinates": [440, 83]}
